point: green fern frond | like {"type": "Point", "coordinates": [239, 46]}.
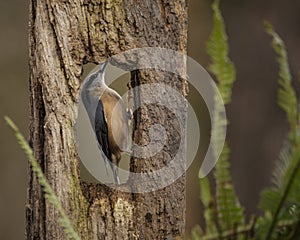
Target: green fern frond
{"type": "Point", "coordinates": [270, 197]}
{"type": "Point", "coordinates": [284, 230]}
{"type": "Point", "coordinates": [210, 209]}
{"type": "Point", "coordinates": [218, 50]}
{"type": "Point", "coordinates": [287, 98]}
{"type": "Point", "coordinates": [277, 201]}
{"type": "Point", "coordinates": [228, 212]}
{"type": "Point", "coordinates": [282, 165]}
{"type": "Point", "coordinates": [49, 193]}
{"type": "Point", "coordinates": [197, 233]}
{"type": "Point", "coordinates": [246, 231]}
{"type": "Point", "coordinates": [282, 201]}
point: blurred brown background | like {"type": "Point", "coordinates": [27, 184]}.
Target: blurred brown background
{"type": "Point", "coordinates": [257, 125]}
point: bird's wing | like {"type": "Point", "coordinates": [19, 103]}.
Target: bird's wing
{"type": "Point", "coordinates": [101, 131]}
{"type": "Point", "coordinates": [120, 121]}
{"type": "Point", "coordinates": [125, 129]}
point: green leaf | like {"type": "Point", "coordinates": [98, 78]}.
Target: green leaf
{"type": "Point", "coordinates": [287, 98]}
{"type": "Point", "coordinates": [228, 213]}
{"type": "Point", "coordinates": [48, 191]}
{"type": "Point", "coordinates": [278, 201]}
{"type": "Point", "coordinates": [210, 209]}
{"type": "Point", "coordinates": [218, 50]}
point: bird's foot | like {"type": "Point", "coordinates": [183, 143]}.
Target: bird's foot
{"type": "Point", "coordinates": [129, 113]}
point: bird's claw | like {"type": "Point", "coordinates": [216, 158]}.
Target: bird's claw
{"type": "Point", "coordinates": [129, 113]}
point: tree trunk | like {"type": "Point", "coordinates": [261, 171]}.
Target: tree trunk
{"type": "Point", "coordinates": [64, 35]}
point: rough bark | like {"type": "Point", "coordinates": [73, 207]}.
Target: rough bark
{"type": "Point", "coordinates": [64, 35]}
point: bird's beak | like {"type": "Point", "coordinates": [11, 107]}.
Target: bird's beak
{"type": "Point", "coordinates": [103, 67]}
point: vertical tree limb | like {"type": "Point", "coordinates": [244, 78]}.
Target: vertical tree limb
{"type": "Point", "coordinates": [64, 35]}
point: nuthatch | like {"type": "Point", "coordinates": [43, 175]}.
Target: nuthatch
{"type": "Point", "coordinates": [108, 117]}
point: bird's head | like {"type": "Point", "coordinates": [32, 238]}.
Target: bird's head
{"type": "Point", "coordinates": [97, 76]}
{"type": "Point", "coordinates": [101, 72]}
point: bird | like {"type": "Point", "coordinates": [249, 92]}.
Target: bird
{"type": "Point", "coordinates": [109, 118]}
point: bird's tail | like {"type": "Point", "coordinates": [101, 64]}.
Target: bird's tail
{"type": "Point", "coordinates": [115, 173]}
{"type": "Point", "coordinates": [113, 169]}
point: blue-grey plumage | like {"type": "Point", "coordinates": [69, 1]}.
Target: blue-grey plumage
{"type": "Point", "coordinates": [108, 117]}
